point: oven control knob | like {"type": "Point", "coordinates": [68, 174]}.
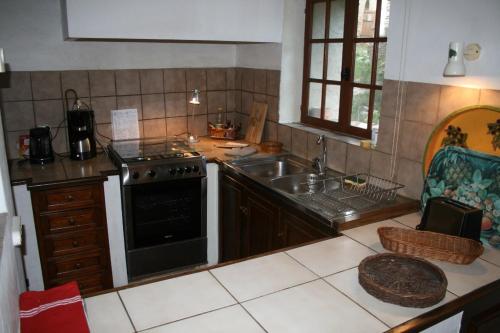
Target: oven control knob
{"type": "Point", "coordinates": [151, 173]}
{"type": "Point", "coordinates": [196, 168]}
{"type": "Point", "coordinates": [135, 175]}
{"type": "Point", "coordinates": [187, 169]}
{"type": "Point", "coordinates": [172, 171]}
{"type": "Point", "coordinates": [180, 171]}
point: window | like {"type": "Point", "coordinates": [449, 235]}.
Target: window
{"type": "Point", "coordinates": [344, 59]}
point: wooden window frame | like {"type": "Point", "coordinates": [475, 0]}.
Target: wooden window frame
{"type": "Point", "coordinates": [347, 84]}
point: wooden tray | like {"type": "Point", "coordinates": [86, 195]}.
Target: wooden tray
{"type": "Point", "coordinates": [433, 245]}
{"type": "Point", "coordinates": [403, 280]}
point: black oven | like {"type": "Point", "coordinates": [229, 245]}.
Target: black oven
{"type": "Point", "coordinates": [165, 225]}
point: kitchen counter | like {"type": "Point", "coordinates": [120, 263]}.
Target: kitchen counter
{"type": "Point", "coordinates": [312, 288]}
{"type": "Point", "coordinates": [62, 170]}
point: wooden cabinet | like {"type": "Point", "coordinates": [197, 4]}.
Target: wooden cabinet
{"type": "Point", "coordinates": [72, 236]}
{"type": "Point", "coordinates": [253, 222]}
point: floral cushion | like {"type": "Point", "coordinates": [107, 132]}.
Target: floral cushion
{"type": "Point", "coordinates": [470, 177]}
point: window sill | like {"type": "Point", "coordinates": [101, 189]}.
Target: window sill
{"type": "Point", "coordinates": [332, 135]}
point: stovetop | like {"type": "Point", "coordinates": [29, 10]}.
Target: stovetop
{"type": "Point", "coordinates": [141, 150]}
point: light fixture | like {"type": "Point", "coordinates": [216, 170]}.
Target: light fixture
{"type": "Point", "coordinates": [2, 62]}
{"type": "Point", "coordinates": [195, 100]}
{"type": "Point", "coordinates": [455, 66]}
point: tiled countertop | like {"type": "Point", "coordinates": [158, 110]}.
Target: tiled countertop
{"type": "Point", "coordinates": [312, 288]}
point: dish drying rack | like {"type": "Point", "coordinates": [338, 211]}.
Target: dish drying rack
{"type": "Point", "coordinates": [345, 195]}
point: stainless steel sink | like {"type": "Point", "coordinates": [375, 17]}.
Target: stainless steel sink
{"type": "Point", "coordinates": [271, 167]}
{"type": "Point", "coordinates": [305, 183]}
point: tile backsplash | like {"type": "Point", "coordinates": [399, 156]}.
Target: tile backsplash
{"type": "Point", "coordinates": [160, 95]}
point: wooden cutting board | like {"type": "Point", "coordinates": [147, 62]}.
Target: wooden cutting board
{"type": "Point", "coordinates": [256, 123]}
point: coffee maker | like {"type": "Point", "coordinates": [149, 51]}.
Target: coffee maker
{"type": "Point", "coordinates": [41, 145]}
{"type": "Point", "coordinates": [81, 134]}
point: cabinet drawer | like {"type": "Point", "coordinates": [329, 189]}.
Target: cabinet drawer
{"type": "Point", "coordinates": [74, 242]}
{"type": "Point", "coordinates": [72, 221]}
{"type": "Point", "coordinates": [68, 197]}
{"type": "Point", "coordinates": [76, 265]}
{"type": "Point", "coordinates": [87, 283]}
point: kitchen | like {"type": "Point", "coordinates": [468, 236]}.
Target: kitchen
{"type": "Point", "coordinates": [234, 54]}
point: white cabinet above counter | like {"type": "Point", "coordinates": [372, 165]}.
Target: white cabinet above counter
{"type": "Point", "coordinates": [180, 20]}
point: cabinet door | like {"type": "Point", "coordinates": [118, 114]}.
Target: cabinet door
{"type": "Point", "coordinates": [231, 197]}
{"type": "Point", "coordinates": [296, 231]}
{"type": "Point", "coordinates": [261, 224]}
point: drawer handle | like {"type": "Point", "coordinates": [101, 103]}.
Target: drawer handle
{"type": "Point", "coordinates": [69, 197]}
{"type": "Point", "coordinates": [72, 221]}
{"type": "Point", "coordinates": [75, 243]}
{"type": "Point", "coordinates": [78, 265]}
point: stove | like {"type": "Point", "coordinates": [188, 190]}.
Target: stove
{"type": "Point", "coordinates": [163, 187]}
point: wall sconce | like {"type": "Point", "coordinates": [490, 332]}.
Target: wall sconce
{"type": "Point", "coordinates": [195, 100]}
{"type": "Point", "coordinates": [455, 66]}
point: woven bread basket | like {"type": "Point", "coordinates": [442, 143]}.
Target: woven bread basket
{"type": "Point", "coordinates": [431, 245]}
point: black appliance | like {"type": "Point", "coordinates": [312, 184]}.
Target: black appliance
{"type": "Point", "coordinates": [41, 145]}
{"type": "Point", "coordinates": [82, 144]}
{"type": "Point", "coordinates": [451, 217]}
{"type": "Point", "coordinates": [164, 205]}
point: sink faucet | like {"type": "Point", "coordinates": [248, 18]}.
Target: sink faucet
{"type": "Point", "coordinates": [320, 161]}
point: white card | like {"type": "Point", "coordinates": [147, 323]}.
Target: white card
{"type": "Point", "coordinates": [125, 124]}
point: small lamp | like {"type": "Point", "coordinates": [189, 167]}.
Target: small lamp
{"type": "Point", "coordinates": [195, 100]}
{"type": "Point", "coordinates": [455, 65]}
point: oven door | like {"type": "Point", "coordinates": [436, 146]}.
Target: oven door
{"type": "Point", "coordinates": [164, 212]}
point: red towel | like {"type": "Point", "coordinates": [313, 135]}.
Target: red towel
{"type": "Point", "coordinates": [56, 310]}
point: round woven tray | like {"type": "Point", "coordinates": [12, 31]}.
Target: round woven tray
{"type": "Point", "coordinates": [427, 244]}
{"type": "Point", "coordinates": [403, 280]}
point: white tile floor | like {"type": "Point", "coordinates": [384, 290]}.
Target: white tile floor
{"type": "Point", "coordinates": [283, 292]}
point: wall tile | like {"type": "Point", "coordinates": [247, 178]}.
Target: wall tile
{"type": "Point", "coordinates": [154, 128]}
{"type": "Point", "coordinates": [358, 160]}
{"type": "Point", "coordinates": [49, 113]}
{"type": "Point", "coordinates": [386, 135]}
{"type": "Point", "coordinates": [272, 108]}
{"type": "Point", "coordinates": [216, 99]}
{"type": "Point", "coordinates": [246, 102]}
{"type": "Point", "coordinates": [151, 81]}
{"type": "Point", "coordinates": [59, 140]}
{"type": "Point", "coordinates": [198, 125]}
{"type": "Point", "coordinates": [127, 82]}
{"type": "Point", "coordinates": [104, 132]}
{"type": "Point", "coordinates": [270, 131]}
{"type": "Point", "coordinates": [102, 83]}
{"type": "Point", "coordinates": [247, 79]}
{"type": "Point", "coordinates": [490, 97]}
{"type": "Point", "coordinates": [237, 100]}
{"type": "Point", "coordinates": [196, 79]}
{"type": "Point", "coordinates": [299, 142]}
{"type": "Point", "coordinates": [380, 165]}
{"type": "Point", "coordinates": [273, 83]}
{"type": "Point", "coordinates": [390, 96]}
{"type": "Point", "coordinates": [76, 80]}
{"type": "Point", "coordinates": [285, 136]}
{"type": "Point", "coordinates": [410, 175]}
{"type": "Point", "coordinates": [19, 88]}
{"type": "Point", "coordinates": [102, 107]}
{"type": "Point", "coordinates": [175, 104]}
{"type": "Point", "coordinates": [336, 157]}
{"type": "Point", "coordinates": [231, 78]}
{"type": "Point", "coordinates": [130, 102]}
{"type": "Point", "coordinates": [230, 101]}
{"type": "Point", "coordinates": [153, 106]}
{"type": "Point", "coordinates": [412, 140]}
{"type": "Point", "coordinates": [216, 79]}
{"type": "Point", "coordinates": [174, 80]}
{"type": "Point", "coordinates": [18, 116]}
{"type": "Point", "coordinates": [176, 126]}
{"type": "Point", "coordinates": [422, 102]}
{"type": "Point", "coordinates": [455, 98]}
{"type": "Point", "coordinates": [261, 98]}
{"type": "Point", "coordinates": [46, 85]}
{"type": "Point", "coordinates": [260, 81]}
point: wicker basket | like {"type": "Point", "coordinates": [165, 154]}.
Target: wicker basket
{"type": "Point", "coordinates": [403, 280]}
{"type": "Point", "coordinates": [431, 245]}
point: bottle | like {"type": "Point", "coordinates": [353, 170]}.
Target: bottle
{"type": "Point", "coordinates": [220, 120]}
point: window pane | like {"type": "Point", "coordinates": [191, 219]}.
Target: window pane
{"type": "Point", "coordinates": [316, 61]}
{"type": "Point", "coordinates": [318, 20]}
{"type": "Point", "coordinates": [337, 13]}
{"type": "Point", "coordinates": [363, 63]}
{"type": "Point", "coordinates": [381, 63]}
{"type": "Point", "coordinates": [366, 18]}
{"type": "Point", "coordinates": [332, 102]}
{"type": "Point", "coordinates": [334, 61]}
{"type": "Point", "coordinates": [314, 108]}
{"type": "Point", "coordinates": [360, 107]}
{"type": "Point", "coordinates": [384, 17]}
